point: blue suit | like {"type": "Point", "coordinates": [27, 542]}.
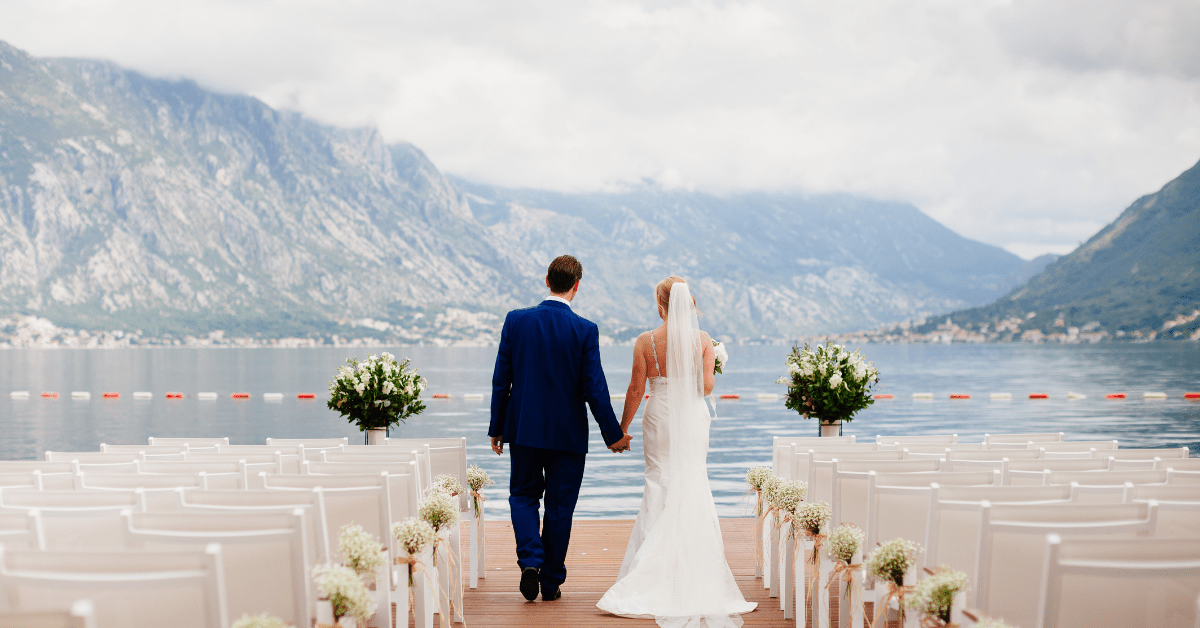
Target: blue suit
{"type": "Point", "coordinates": [547, 369]}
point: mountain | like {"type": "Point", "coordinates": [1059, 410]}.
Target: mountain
{"type": "Point", "coordinates": [161, 209]}
{"type": "Point", "coordinates": [1138, 277]}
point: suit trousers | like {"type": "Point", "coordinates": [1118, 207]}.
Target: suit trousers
{"type": "Point", "coordinates": [555, 474]}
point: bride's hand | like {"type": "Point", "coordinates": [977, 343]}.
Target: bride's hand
{"type": "Point", "coordinates": [621, 445]}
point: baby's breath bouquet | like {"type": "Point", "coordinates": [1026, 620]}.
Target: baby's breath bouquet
{"type": "Point", "coordinates": [891, 560]}
{"type": "Point", "coordinates": [787, 495]}
{"type": "Point", "coordinates": [934, 595]}
{"type": "Point", "coordinates": [812, 517]}
{"type": "Point", "coordinates": [260, 621]}
{"type": "Point", "coordinates": [362, 551]}
{"type": "Point", "coordinates": [439, 509]}
{"type": "Point", "coordinates": [479, 480]}
{"type": "Point", "coordinates": [413, 535]}
{"type": "Point", "coordinates": [447, 484]}
{"type": "Point", "coordinates": [844, 541]}
{"type": "Point", "coordinates": [828, 383]}
{"type": "Point", "coordinates": [378, 392]}
{"type": "Point", "coordinates": [345, 591]}
{"type": "Point", "coordinates": [755, 478]}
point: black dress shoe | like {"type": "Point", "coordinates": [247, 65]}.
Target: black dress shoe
{"type": "Point", "coordinates": [550, 596]}
{"type": "Point", "coordinates": [529, 583]}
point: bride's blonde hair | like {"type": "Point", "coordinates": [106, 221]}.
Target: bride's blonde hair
{"type": "Point", "coordinates": [663, 291]}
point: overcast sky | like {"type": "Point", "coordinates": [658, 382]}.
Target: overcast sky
{"type": "Point", "coordinates": [1028, 124]}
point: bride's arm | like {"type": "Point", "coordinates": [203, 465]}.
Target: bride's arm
{"type": "Point", "coordinates": [710, 363]}
{"type": "Point", "coordinates": [637, 383]}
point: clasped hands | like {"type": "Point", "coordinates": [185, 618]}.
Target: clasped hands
{"type": "Point", "coordinates": [616, 448]}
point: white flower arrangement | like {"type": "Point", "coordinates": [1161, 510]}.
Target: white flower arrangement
{"type": "Point", "coordinates": [828, 382]}
{"type": "Point", "coordinates": [769, 486]}
{"type": "Point", "coordinates": [447, 484]}
{"type": "Point", "coordinates": [414, 535]}
{"type": "Point", "coordinates": [345, 591]}
{"type": "Point", "coordinates": [757, 475]}
{"type": "Point", "coordinates": [439, 509]}
{"type": "Point", "coordinates": [478, 478]}
{"type": "Point", "coordinates": [844, 541]}
{"type": "Point", "coordinates": [890, 561]}
{"type": "Point", "coordinates": [812, 517]}
{"type": "Point", "coordinates": [378, 392]}
{"type": "Point", "coordinates": [722, 357]}
{"type": "Point", "coordinates": [260, 621]}
{"type": "Point", "coordinates": [788, 495]}
{"type": "Point", "coordinates": [362, 551]}
{"type": "Point", "coordinates": [934, 594]}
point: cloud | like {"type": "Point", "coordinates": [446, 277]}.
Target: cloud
{"type": "Point", "coordinates": [1027, 124]}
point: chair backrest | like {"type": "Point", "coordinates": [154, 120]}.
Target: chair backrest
{"type": "Point", "coordinates": [189, 441]}
{"type": "Point", "coordinates": [1147, 454]}
{"type": "Point", "coordinates": [294, 450]}
{"type": "Point", "coordinates": [262, 501]}
{"type": "Point", "coordinates": [897, 504]}
{"type": "Point", "coordinates": [381, 454]}
{"type": "Point", "coordinates": [1183, 477]}
{"type": "Point", "coordinates": [226, 474]}
{"type": "Point", "coordinates": [75, 519]}
{"type": "Point", "coordinates": [318, 443]}
{"type": "Point", "coordinates": [921, 439]}
{"type": "Point", "coordinates": [414, 443]}
{"type": "Point", "coordinates": [345, 499]}
{"type": "Point", "coordinates": [1127, 582]}
{"type": "Point", "coordinates": [993, 455]}
{"type": "Point", "coordinates": [1034, 472]}
{"type": "Point", "coordinates": [129, 589]}
{"type": "Point", "coordinates": [1106, 478]}
{"type": "Point", "coordinates": [266, 556]}
{"type": "Point", "coordinates": [22, 530]}
{"type": "Point", "coordinates": [45, 466]}
{"type": "Point", "coordinates": [848, 498]}
{"type": "Point", "coordinates": [1012, 546]}
{"type": "Point", "coordinates": [935, 449]}
{"type": "Point", "coordinates": [92, 456]}
{"type": "Point", "coordinates": [1039, 437]}
{"type": "Point", "coordinates": [82, 614]}
{"type": "Point", "coordinates": [451, 461]}
{"type": "Point", "coordinates": [106, 467]}
{"type": "Point", "coordinates": [404, 481]}
{"type": "Point", "coordinates": [146, 449]}
{"type": "Point", "coordinates": [1179, 464]}
{"type": "Point", "coordinates": [21, 479]}
{"type": "Point", "coordinates": [1077, 445]}
{"type": "Point", "coordinates": [819, 468]}
{"type": "Point", "coordinates": [952, 535]}
{"type": "Point", "coordinates": [783, 445]}
{"type": "Point", "coordinates": [131, 481]}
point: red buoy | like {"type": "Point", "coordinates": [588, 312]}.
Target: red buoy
{"type": "Point", "coordinates": [960, 396]}
{"type": "Point", "coordinates": [1115, 396]}
{"type": "Point", "coordinates": [112, 395]}
{"type": "Point", "coordinates": [306, 396]}
{"type": "Point", "coordinates": [1039, 396]}
{"type": "Point", "coordinates": [240, 396]}
{"type": "Point", "coordinates": [441, 396]}
{"type": "Point", "coordinates": [1191, 395]}
{"type": "Point", "coordinates": [50, 395]}
{"type": "Point", "coordinates": [887, 396]}
{"type": "Point", "coordinates": [730, 396]}
{"type": "Point", "coordinates": [174, 395]}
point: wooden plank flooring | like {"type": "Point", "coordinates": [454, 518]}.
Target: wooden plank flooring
{"type": "Point", "coordinates": [597, 548]}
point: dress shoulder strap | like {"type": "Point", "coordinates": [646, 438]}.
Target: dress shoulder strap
{"type": "Point", "coordinates": [654, 350]}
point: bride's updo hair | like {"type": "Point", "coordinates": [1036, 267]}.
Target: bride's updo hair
{"type": "Point", "coordinates": [663, 291]}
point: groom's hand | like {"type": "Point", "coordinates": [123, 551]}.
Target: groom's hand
{"type": "Point", "coordinates": [621, 445]}
{"type": "Point", "coordinates": [498, 444]}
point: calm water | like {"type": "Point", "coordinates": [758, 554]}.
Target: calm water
{"type": "Point", "coordinates": [612, 486]}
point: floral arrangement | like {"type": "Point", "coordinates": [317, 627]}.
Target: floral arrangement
{"type": "Point", "coordinates": [362, 552]}
{"type": "Point", "coordinates": [769, 486]}
{"type": "Point", "coordinates": [722, 357]}
{"type": "Point", "coordinates": [844, 541]}
{"type": "Point", "coordinates": [345, 591]}
{"type": "Point", "coordinates": [378, 392]}
{"type": "Point", "coordinates": [756, 476]}
{"type": "Point", "coordinates": [479, 480]}
{"type": "Point", "coordinates": [260, 621]}
{"type": "Point", "coordinates": [787, 495]}
{"type": "Point", "coordinates": [933, 595]}
{"type": "Point", "coordinates": [828, 382]}
{"type": "Point", "coordinates": [812, 517]}
{"type": "Point", "coordinates": [414, 535]}
{"type": "Point", "coordinates": [447, 484]}
{"type": "Point", "coordinates": [892, 560]}
{"type": "Point", "coordinates": [439, 509]}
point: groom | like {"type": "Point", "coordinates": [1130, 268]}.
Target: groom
{"type": "Point", "coordinates": [547, 366]}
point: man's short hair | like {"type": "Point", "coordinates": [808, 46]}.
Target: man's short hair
{"type": "Point", "coordinates": [564, 272]}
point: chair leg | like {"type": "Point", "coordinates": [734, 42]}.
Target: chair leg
{"type": "Point", "coordinates": [788, 597]}
{"type": "Point", "coordinates": [775, 562]}
{"type": "Point", "coordinates": [425, 596]}
{"type": "Point", "coordinates": [474, 552]}
{"type": "Point", "coordinates": [456, 573]}
{"type": "Point", "coordinates": [765, 535]}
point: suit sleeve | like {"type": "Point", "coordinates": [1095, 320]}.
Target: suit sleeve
{"type": "Point", "coordinates": [502, 379]}
{"type": "Point", "coordinates": [595, 389]}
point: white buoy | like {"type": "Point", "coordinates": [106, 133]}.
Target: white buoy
{"type": "Point", "coordinates": [272, 396]}
{"type": "Point", "coordinates": [768, 397]}
{"type": "Point", "coordinates": [1154, 395]}
{"type": "Point", "coordinates": [923, 395]}
{"type": "Point", "coordinates": [19, 394]}
{"type": "Point", "coordinates": [473, 396]}
{"type": "Point", "coordinates": [143, 395]}
{"type": "Point", "coordinates": [1074, 395]}
{"type": "Point", "coordinates": [207, 396]}
{"type": "Point", "coordinates": [1000, 395]}
{"type": "Point", "coordinates": [616, 395]}
{"type": "Point", "coordinates": [81, 394]}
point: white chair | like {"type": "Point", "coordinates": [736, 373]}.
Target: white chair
{"type": "Point", "coordinates": [1118, 582]}
{"type": "Point", "coordinates": [848, 495]}
{"type": "Point", "coordinates": [1178, 464]}
{"type": "Point", "coordinates": [92, 456]}
{"type": "Point", "coordinates": [1077, 445]}
{"type": "Point", "coordinates": [229, 474]}
{"type": "Point", "coordinates": [387, 455]}
{"type": "Point", "coordinates": [22, 530]}
{"type": "Point", "coordinates": [142, 449]}
{"type": "Point", "coordinates": [265, 502]}
{"type": "Point", "coordinates": [75, 519]}
{"type": "Point", "coordinates": [925, 439]}
{"type": "Point", "coordinates": [1106, 478]}
{"type": "Point", "coordinates": [290, 455]}
{"type": "Point", "coordinates": [314, 443]}
{"type": "Point", "coordinates": [105, 467]}
{"type": "Point", "coordinates": [990, 455]}
{"type": "Point", "coordinates": [15, 466]}
{"type": "Point", "coordinates": [21, 479]}
{"type": "Point", "coordinates": [344, 499]}
{"type": "Point", "coordinates": [189, 442]}
{"type": "Point", "coordinates": [1012, 545]}
{"type": "Point", "coordinates": [952, 535]}
{"type": "Point", "coordinates": [936, 451]}
{"type": "Point", "coordinates": [1147, 454]}
{"type": "Point", "coordinates": [1039, 437]}
{"type": "Point", "coordinates": [267, 566]}
{"type": "Point", "coordinates": [129, 589]}
{"type": "Point", "coordinates": [780, 444]}
{"type": "Point", "coordinates": [1034, 472]}
{"type": "Point", "coordinates": [81, 614]}
{"type": "Point", "coordinates": [898, 503]}
{"type": "Point", "coordinates": [819, 471]}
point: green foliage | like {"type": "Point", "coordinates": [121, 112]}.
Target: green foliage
{"type": "Point", "coordinates": [377, 392]}
{"type": "Point", "coordinates": [828, 382]}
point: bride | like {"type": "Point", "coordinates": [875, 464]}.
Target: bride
{"type": "Point", "coordinates": [674, 569]}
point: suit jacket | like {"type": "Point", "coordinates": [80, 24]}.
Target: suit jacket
{"type": "Point", "coordinates": [547, 368]}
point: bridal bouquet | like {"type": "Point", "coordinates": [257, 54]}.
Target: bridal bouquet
{"type": "Point", "coordinates": [722, 357]}
{"type": "Point", "coordinates": [378, 392]}
{"type": "Point", "coordinates": [828, 383]}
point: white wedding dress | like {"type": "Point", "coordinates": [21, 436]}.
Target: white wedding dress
{"type": "Point", "coordinates": [674, 569]}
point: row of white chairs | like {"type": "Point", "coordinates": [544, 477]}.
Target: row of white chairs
{"type": "Point", "coordinates": [371, 490]}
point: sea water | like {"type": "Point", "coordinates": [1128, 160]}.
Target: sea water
{"type": "Point", "coordinates": [741, 432]}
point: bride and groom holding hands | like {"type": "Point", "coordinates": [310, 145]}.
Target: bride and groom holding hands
{"type": "Point", "coordinates": [547, 369]}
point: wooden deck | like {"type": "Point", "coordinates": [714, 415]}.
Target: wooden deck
{"type": "Point", "coordinates": [597, 548]}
